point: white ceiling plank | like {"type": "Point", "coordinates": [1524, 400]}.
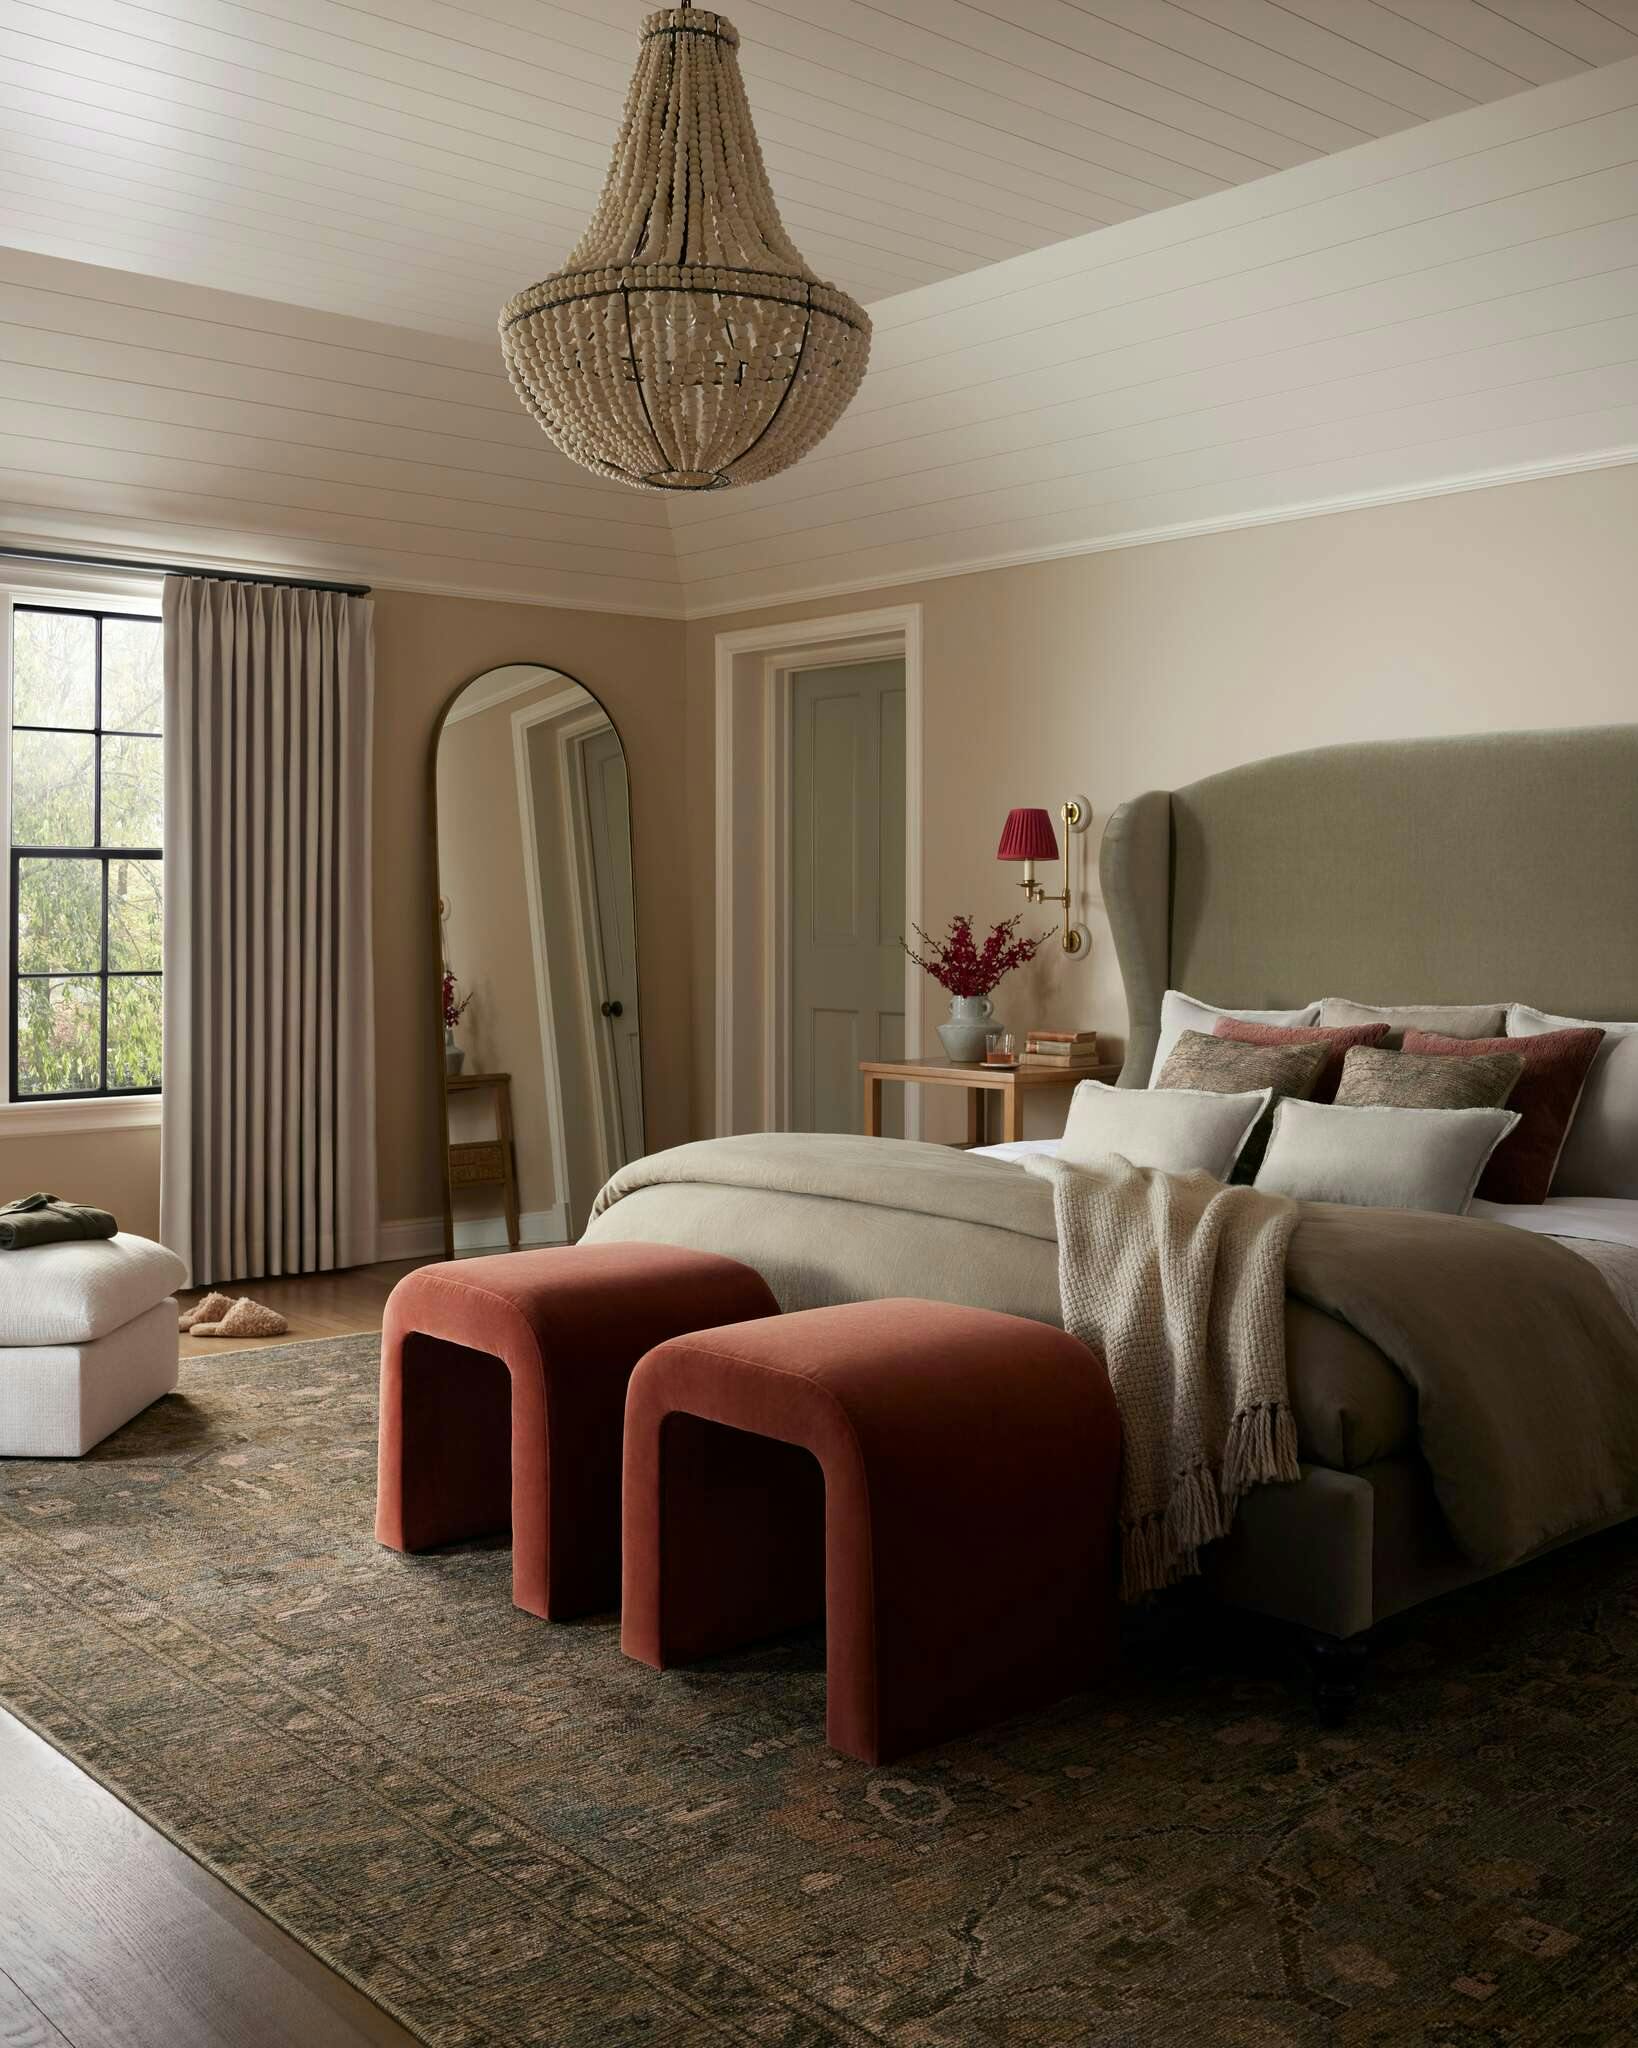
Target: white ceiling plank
{"type": "Point", "coordinates": [1318, 112]}
{"type": "Point", "coordinates": [973, 41]}
{"type": "Point", "coordinates": [1286, 28]}
{"type": "Point", "coordinates": [1246, 56]}
{"type": "Point", "coordinates": [911, 142]}
{"type": "Point", "coordinates": [1591, 353]}
{"type": "Point", "coordinates": [1391, 34]}
{"type": "Point", "coordinates": [201, 199]}
{"type": "Point", "coordinates": [1528, 171]}
{"type": "Point", "coordinates": [1589, 33]}
{"type": "Point", "coordinates": [1477, 27]}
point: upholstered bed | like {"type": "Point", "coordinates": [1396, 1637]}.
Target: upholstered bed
{"type": "Point", "coordinates": [1488, 869]}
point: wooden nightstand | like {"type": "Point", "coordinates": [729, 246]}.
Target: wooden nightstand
{"type": "Point", "coordinates": [1010, 1083]}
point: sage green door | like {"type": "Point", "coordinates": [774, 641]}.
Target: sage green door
{"type": "Point", "coordinates": [847, 890]}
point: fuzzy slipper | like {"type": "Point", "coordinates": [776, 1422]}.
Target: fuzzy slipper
{"type": "Point", "coordinates": [246, 1318]}
{"type": "Point", "coordinates": [213, 1307]}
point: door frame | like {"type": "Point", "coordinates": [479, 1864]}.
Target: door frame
{"type": "Point", "coordinates": [754, 671]}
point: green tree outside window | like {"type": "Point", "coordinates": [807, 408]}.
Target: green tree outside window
{"type": "Point", "coordinates": [87, 888]}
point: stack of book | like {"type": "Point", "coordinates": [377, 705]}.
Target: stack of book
{"type": "Point", "coordinates": [1073, 1051]}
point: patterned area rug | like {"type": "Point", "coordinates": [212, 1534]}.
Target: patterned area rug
{"type": "Point", "coordinates": [506, 1833]}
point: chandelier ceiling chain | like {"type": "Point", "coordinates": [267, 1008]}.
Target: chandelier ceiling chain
{"type": "Point", "coordinates": [686, 346]}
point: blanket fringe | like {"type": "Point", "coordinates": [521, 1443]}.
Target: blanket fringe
{"type": "Point", "coordinates": [1261, 1449]}
{"type": "Point", "coordinates": [1161, 1547]}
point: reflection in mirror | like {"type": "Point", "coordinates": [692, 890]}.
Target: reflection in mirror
{"type": "Point", "coordinates": [537, 927]}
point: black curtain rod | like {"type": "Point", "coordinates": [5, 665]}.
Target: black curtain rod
{"type": "Point", "coordinates": [178, 569]}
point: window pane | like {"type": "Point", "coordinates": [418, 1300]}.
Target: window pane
{"type": "Point", "coordinates": [52, 789]}
{"type": "Point", "coordinates": [133, 811]}
{"type": "Point", "coordinates": [135, 915]}
{"type": "Point", "coordinates": [134, 1029]}
{"type": "Point", "coordinates": [55, 669]}
{"type": "Point", "coordinates": [132, 675]}
{"type": "Point", "coordinates": [59, 917]}
{"type": "Point", "coordinates": [59, 1036]}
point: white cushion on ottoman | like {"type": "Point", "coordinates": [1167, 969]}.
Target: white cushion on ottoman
{"type": "Point", "coordinates": [72, 1293]}
{"type": "Point", "coordinates": [57, 1400]}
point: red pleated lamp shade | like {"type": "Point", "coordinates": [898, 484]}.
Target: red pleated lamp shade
{"type": "Point", "coordinates": [1028, 835]}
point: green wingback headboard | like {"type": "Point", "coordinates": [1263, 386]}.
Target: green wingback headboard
{"type": "Point", "coordinates": [1498, 867]}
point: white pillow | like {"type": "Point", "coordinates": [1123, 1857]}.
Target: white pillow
{"type": "Point", "coordinates": [1600, 1155]}
{"type": "Point", "coordinates": [1180, 1013]}
{"type": "Point", "coordinates": [73, 1292]}
{"type": "Point", "coordinates": [1381, 1158]}
{"type": "Point", "coordinates": [1178, 1130]}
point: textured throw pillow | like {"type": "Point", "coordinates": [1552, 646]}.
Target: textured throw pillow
{"type": "Point", "coordinates": [1455, 1020]}
{"type": "Point", "coordinates": [1220, 1066]}
{"type": "Point", "coordinates": [1180, 1013]}
{"type": "Point", "coordinates": [1600, 1155]}
{"type": "Point", "coordinates": [1174, 1129]}
{"type": "Point", "coordinates": [1546, 1095]}
{"type": "Point", "coordinates": [1374, 1078]}
{"type": "Point", "coordinates": [1338, 1039]}
{"type": "Point", "coordinates": [1381, 1158]}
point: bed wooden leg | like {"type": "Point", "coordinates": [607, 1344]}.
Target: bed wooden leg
{"type": "Point", "coordinates": [1336, 1665]}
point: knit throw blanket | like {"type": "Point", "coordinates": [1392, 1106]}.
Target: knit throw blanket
{"type": "Point", "coordinates": [1179, 1283]}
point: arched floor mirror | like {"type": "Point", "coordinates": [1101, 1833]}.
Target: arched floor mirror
{"type": "Point", "coordinates": [538, 1019]}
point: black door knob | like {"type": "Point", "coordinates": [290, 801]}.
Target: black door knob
{"type": "Point", "coordinates": [615, 1009]}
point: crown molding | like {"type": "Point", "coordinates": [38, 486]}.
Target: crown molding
{"type": "Point", "coordinates": [1187, 529]}
{"type": "Point", "coordinates": [970, 565]}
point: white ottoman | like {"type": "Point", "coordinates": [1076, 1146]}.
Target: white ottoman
{"type": "Point", "coordinates": [88, 1339]}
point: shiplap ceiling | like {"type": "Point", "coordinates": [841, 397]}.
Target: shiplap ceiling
{"type": "Point", "coordinates": [418, 162]}
{"type": "Point", "coordinates": [1450, 303]}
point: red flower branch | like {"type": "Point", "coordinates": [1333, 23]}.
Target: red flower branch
{"type": "Point", "coordinates": [454, 1005]}
{"type": "Point", "coordinates": [958, 964]}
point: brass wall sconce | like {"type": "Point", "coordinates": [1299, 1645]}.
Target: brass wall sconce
{"type": "Point", "coordinates": [1028, 836]}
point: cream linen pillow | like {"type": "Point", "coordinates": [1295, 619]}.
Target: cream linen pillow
{"type": "Point", "coordinates": [1178, 1130]}
{"type": "Point", "coordinates": [1451, 1020]}
{"type": "Point", "coordinates": [1600, 1155]}
{"type": "Point", "coordinates": [1180, 1013]}
{"type": "Point", "coordinates": [1381, 1158]}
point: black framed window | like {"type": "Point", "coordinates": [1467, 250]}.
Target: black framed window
{"type": "Point", "coordinates": [87, 885]}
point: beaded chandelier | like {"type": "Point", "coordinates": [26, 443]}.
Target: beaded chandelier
{"type": "Point", "coordinates": [686, 346]}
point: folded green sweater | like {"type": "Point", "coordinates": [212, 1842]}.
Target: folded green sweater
{"type": "Point", "coordinates": [43, 1219]}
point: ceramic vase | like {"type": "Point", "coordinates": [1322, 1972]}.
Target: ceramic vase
{"type": "Point", "coordinates": [454, 1055]}
{"type": "Point", "coordinates": [971, 1018]}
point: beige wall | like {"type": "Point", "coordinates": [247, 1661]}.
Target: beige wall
{"type": "Point", "coordinates": [117, 1170]}
{"type": "Point", "coordinates": [1148, 667]}
{"type": "Point", "coordinates": [1112, 673]}
{"type": "Point", "coordinates": [426, 649]}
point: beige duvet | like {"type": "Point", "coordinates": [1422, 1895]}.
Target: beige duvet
{"type": "Point", "coordinates": [1504, 1358]}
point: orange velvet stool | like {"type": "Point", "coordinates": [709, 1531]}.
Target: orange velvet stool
{"type": "Point", "coordinates": [938, 1482]}
{"type": "Point", "coordinates": [503, 1391]}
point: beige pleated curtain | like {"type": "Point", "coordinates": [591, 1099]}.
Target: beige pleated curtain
{"type": "Point", "coordinates": [267, 1160]}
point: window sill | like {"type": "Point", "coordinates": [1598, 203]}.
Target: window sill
{"type": "Point", "coordinates": [64, 1119]}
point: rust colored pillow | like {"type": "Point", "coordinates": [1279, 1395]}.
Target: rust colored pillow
{"type": "Point", "coordinates": [1545, 1095]}
{"type": "Point", "coordinates": [1338, 1036]}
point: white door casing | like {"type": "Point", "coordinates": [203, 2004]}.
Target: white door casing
{"type": "Point", "coordinates": [754, 668]}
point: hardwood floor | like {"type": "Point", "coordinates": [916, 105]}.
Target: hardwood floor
{"type": "Point", "coordinates": [112, 1937]}
{"type": "Point", "coordinates": [314, 1305]}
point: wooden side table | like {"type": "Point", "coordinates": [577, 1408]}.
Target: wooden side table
{"type": "Point", "coordinates": [1010, 1083]}
{"type": "Point", "coordinates": [484, 1162]}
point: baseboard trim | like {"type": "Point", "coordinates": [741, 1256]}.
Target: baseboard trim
{"type": "Point", "coordinates": [422, 1237]}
